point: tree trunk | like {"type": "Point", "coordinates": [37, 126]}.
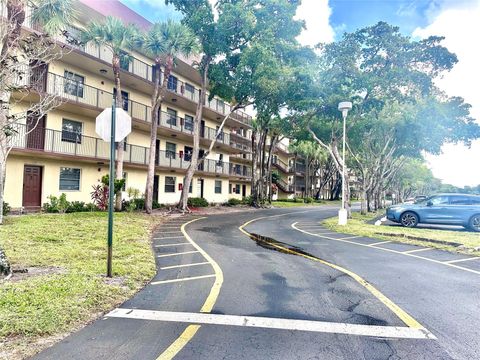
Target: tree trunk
{"type": "Point", "coordinates": [120, 145]}
{"type": "Point", "coordinates": [187, 180]}
{"type": "Point", "coordinates": [157, 99]}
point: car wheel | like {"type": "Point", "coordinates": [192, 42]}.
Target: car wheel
{"type": "Point", "coordinates": [409, 219]}
{"type": "Point", "coordinates": [474, 223]}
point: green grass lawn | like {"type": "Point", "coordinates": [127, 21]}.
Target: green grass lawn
{"type": "Point", "coordinates": [73, 247]}
{"type": "Point", "coordinates": [358, 226]}
{"type": "Point", "coordinates": [288, 204]}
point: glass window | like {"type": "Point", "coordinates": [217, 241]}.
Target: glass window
{"type": "Point", "coordinates": [124, 98]}
{"type": "Point", "coordinates": [188, 123]}
{"type": "Point", "coordinates": [72, 131]}
{"type": "Point", "coordinates": [440, 200]}
{"type": "Point", "coordinates": [171, 150]}
{"type": "Point", "coordinates": [460, 200]}
{"type": "Point", "coordinates": [237, 189]}
{"type": "Point", "coordinates": [69, 179]}
{"type": "Point", "coordinates": [170, 184]}
{"type": "Point", "coordinates": [73, 84]}
{"type": "Point", "coordinates": [172, 83]}
{"type": "Point", "coordinates": [189, 90]}
{"type": "Point", "coordinates": [171, 117]}
{"type": "Point", "coordinates": [218, 186]}
{"type": "Point", "coordinates": [188, 151]}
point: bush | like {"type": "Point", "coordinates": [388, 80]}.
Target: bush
{"type": "Point", "coordinates": [297, 200]}
{"type": "Point", "coordinates": [197, 202]}
{"type": "Point", "coordinates": [99, 196]}
{"type": "Point", "coordinates": [247, 200]}
{"type": "Point", "coordinates": [234, 202]}
{"type": "Point", "coordinates": [76, 206]}
{"type": "Point", "coordinates": [156, 205]}
{"type": "Point", "coordinates": [308, 200]}
{"type": "Point", "coordinates": [6, 208]}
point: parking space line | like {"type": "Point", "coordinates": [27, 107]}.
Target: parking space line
{"type": "Point", "coordinates": [182, 279]}
{"type": "Point", "coordinates": [177, 254]}
{"type": "Point", "coordinates": [461, 260]}
{"type": "Point", "coordinates": [167, 237]}
{"type": "Point", "coordinates": [379, 243]}
{"type": "Point", "coordinates": [388, 250]}
{"type": "Point", "coordinates": [183, 265]}
{"type": "Point", "coordinates": [349, 237]}
{"type": "Point", "coordinates": [395, 332]}
{"type": "Point", "coordinates": [165, 245]}
{"type": "Point", "coordinates": [416, 250]}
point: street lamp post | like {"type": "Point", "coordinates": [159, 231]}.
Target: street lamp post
{"type": "Point", "coordinates": [344, 107]}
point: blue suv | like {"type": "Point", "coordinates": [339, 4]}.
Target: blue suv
{"type": "Point", "coordinates": [446, 209]}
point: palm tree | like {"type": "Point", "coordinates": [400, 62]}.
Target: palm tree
{"type": "Point", "coordinates": [163, 43]}
{"type": "Point", "coordinates": [54, 15]}
{"type": "Point", "coordinates": [117, 37]}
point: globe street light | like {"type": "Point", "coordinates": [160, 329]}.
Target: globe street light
{"type": "Point", "coordinates": [344, 107]}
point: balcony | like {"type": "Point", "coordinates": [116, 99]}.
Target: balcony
{"type": "Point", "coordinates": [283, 148]}
{"type": "Point", "coordinates": [80, 147]}
{"type": "Point", "coordinates": [240, 171]}
{"type": "Point", "coordinates": [74, 92]}
{"type": "Point", "coordinates": [300, 169]}
{"type": "Point", "coordinates": [145, 71]}
{"type": "Point", "coordinates": [286, 188]}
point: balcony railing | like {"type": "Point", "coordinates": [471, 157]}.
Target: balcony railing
{"type": "Point", "coordinates": [246, 156]}
{"type": "Point", "coordinates": [284, 186]}
{"type": "Point", "coordinates": [300, 168]}
{"type": "Point", "coordinates": [145, 71]}
{"type": "Point", "coordinates": [74, 91]}
{"type": "Point", "coordinates": [282, 147]}
{"type": "Point", "coordinates": [239, 170]}
{"type": "Point", "coordinates": [69, 143]}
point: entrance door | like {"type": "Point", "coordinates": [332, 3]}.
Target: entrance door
{"type": "Point", "coordinates": [36, 131]}
{"type": "Point", "coordinates": [38, 75]}
{"type": "Point", "coordinates": [155, 188]}
{"type": "Point", "coordinates": [200, 187]}
{"type": "Point", "coordinates": [244, 190]}
{"type": "Point", "coordinates": [32, 186]}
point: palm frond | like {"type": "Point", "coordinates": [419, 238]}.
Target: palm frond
{"type": "Point", "coordinates": [54, 15]}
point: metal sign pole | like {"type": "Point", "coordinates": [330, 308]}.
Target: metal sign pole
{"type": "Point", "coordinates": [111, 194]}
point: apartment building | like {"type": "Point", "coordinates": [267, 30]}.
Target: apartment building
{"type": "Point", "coordinates": [290, 169]}
{"type": "Point", "coordinates": [63, 154]}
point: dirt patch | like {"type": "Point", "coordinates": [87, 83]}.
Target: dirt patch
{"type": "Point", "coordinates": [21, 273]}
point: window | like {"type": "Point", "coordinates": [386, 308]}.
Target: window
{"type": "Point", "coordinates": [221, 106]}
{"type": "Point", "coordinates": [172, 83]}
{"type": "Point", "coordinates": [188, 123]}
{"type": "Point", "coordinates": [188, 151]}
{"type": "Point", "coordinates": [220, 136]}
{"type": "Point", "coordinates": [171, 150]}
{"type": "Point", "coordinates": [218, 186]}
{"type": "Point", "coordinates": [189, 90]}
{"type": "Point", "coordinates": [171, 117]}
{"type": "Point", "coordinates": [237, 169]}
{"type": "Point", "coordinates": [69, 179]}
{"type": "Point", "coordinates": [237, 189]}
{"type": "Point", "coordinates": [439, 200]}
{"type": "Point", "coordinates": [124, 99]}
{"type": "Point", "coordinates": [170, 184]}
{"type": "Point", "coordinates": [73, 84]}
{"type": "Point", "coordinates": [220, 160]}
{"type": "Point", "coordinates": [71, 131]}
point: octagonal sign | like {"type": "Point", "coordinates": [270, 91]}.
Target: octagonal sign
{"type": "Point", "coordinates": [123, 124]}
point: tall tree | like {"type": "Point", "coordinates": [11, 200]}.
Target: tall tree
{"type": "Point", "coordinates": [163, 42]}
{"type": "Point", "coordinates": [23, 53]}
{"type": "Point", "coordinates": [113, 34]}
{"type": "Point", "coordinates": [370, 67]}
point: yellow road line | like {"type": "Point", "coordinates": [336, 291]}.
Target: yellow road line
{"type": "Point", "coordinates": [389, 250]}
{"type": "Point", "coordinates": [183, 265]}
{"type": "Point", "coordinates": [177, 254]}
{"type": "Point", "coordinates": [191, 330]}
{"type": "Point", "coordinates": [182, 279]}
{"type": "Point", "coordinates": [404, 316]}
{"type": "Point", "coordinates": [379, 243]}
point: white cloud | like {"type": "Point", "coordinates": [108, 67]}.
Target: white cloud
{"type": "Point", "coordinates": [458, 165]}
{"type": "Point", "coordinates": [316, 14]}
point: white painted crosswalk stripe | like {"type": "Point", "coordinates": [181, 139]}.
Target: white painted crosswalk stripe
{"type": "Point", "coordinates": [274, 323]}
{"type": "Point", "coordinates": [182, 279]}
{"type": "Point", "coordinates": [177, 254]}
{"type": "Point", "coordinates": [175, 244]}
{"type": "Point", "coordinates": [184, 265]}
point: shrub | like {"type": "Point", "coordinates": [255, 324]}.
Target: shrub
{"type": "Point", "coordinates": [91, 207]}
{"type": "Point", "coordinates": [117, 183]}
{"type": "Point", "coordinates": [156, 205]}
{"type": "Point", "coordinates": [297, 200]}
{"type": "Point", "coordinates": [139, 203]}
{"type": "Point", "coordinates": [234, 202]}
{"type": "Point", "coordinates": [197, 202]}
{"type": "Point", "coordinates": [247, 200]}
{"type": "Point", "coordinates": [76, 206]}
{"type": "Point", "coordinates": [99, 196]}
{"type": "Point", "coordinates": [308, 200]}
{"type": "Point", "coordinates": [6, 208]}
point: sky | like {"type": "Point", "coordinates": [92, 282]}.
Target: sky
{"type": "Point", "coordinates": [457, 20]}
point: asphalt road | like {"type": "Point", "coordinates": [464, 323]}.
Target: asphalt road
{"type": "Point", "coordinates": [246, 295]}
